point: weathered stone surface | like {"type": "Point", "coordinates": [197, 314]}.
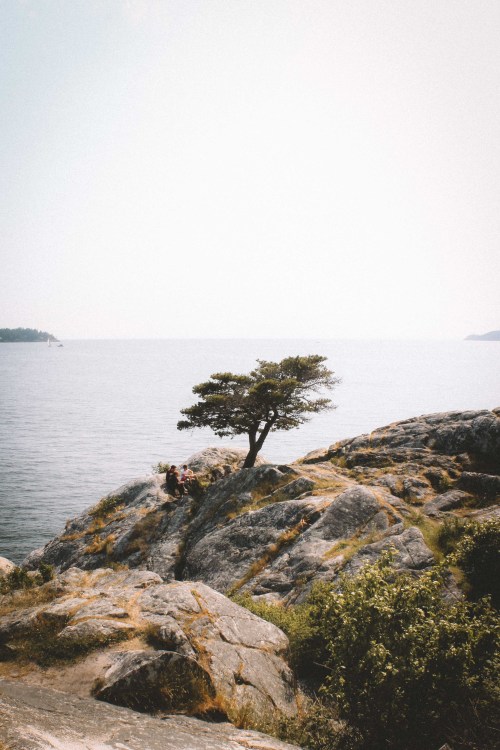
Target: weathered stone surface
{"type": "Point", "coordinates": [34, 718]}
{"type": "Point", "coordinates": [193, 649]}
{"type": "Point", "coordinates": [447, 501]}
{"type": "Point", "coordinates": [156, 680]}
{"type": "Point", "coordinates": [486, 485]}
{"type": "Point", "coordinates": [452, 433]}
{"type": "Point", "coordinates": [411, 552]}
{"type": "Point", "coordinates": [246, 540]}
{"type": "Point", "coordinates": [95, 631]}
{"type": "Point", "coordinates": [205, 461]}
{"type": "Point", "coordinates": [242, 653]}
{"type": "Point", "coordinates": [6, 566]}
{"type": "Point", "coordinates": [358, 512]}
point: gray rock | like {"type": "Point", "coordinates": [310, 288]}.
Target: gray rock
{"type": "Point", "coordinates": [357, 512]}
{"type": "Point", "coordinates": [242, 653]}
{"type": "Point", "coordinates": [452, 433]}
{"type": "Point", "coordinates": [157, 680]}
{"type": "Point", "coordinates": [246, 541]}
{"type": "Point", "coordinates": [95, 631]}
{"type": "Point", "coordinates": [412, 552]}
{"type": "Point", "coordinates": [485, 485]}
{"type": "Point", "coordinates": [33, 718]}
{"type": "Point", "coordinates": [229, 654]}
{"type": "Point", "coordinates": [6, 566]}
{"type": "Point", "coordinates": [446, 501]}
{"type": "Point", "coordinates": [227, 459]}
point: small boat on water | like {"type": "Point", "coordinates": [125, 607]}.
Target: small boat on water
{"type": "Point", "coordinates": [49, 342]}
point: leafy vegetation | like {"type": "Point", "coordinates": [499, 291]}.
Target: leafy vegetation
{"type": "Point", "coordinates": [273, 396]}
{"type": "Point", "coordinates": [478, 555]}
{"type": "Point", "coordinates": [19, 578]}
{"type": "Point", "coordinates": [41, 643]}
{"type": "Point", "coordinates": [160, 467]}
{"type": "Point", "coordinates": [105, 506]}
{"type": "Point", "coordinates": [396, 664]}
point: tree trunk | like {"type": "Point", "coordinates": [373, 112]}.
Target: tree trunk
{"type": "Point", "coordinates": [251, 457]}
{"type": "Point", "coordinates": [256, 445]}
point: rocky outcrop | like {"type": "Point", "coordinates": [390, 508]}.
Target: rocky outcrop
{"type": "Point", "coordinates": [35, 718]}
{"type": "Point", "coordinates": [192, 649]}
{"type": "Point", "coordinates": [422, 439]}
{"type": "Point", "coordinates": [272, 531]}
{"type": "Point", "coordinates": [6, 567]}
{"type": "Point", "coordinates": [219, 462]}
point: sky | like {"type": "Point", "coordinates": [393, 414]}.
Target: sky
{"type": "Point", "coordinates": [250, 168]}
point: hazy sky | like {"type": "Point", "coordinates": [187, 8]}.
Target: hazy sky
{"type": "Point", "coordinates": [250, 168]}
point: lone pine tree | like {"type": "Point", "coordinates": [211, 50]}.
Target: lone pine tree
{"type": "Point", "coordinates": [274, 396]}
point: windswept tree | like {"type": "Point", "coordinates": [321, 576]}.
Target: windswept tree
{"type": "Point", "coordinates": [274, 396]}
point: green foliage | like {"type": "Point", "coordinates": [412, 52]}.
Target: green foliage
{"type": "Point", "coordinates": [405, 668]}
{"type": "Point", "coordinates": [105, 507]}
{"type": "Point", "coordinates": [43, 646]}
{"type": "Point", "coordinates": [317, 727]}
{"type": "Point", "coordinates": [160, 468]}
{"type": "Point", "coordinates": [478, 555]}
{"type": "Point", "coordinates": [273, 396]}
{"type": "Point", "coordinates": [449, 533]}
{"type": "Point", "coordinates": [19, 578]}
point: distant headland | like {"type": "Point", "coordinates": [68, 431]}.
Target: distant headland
{"type": "Point", "coordinates": [490, 336]}
{"type": "Point", "coordinates": [15, 335]}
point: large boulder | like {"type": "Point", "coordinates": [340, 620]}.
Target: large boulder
{"type": "Point", "coordinates": [6, 567]}
{"type": "Point", "coordinates": [193, 649]}
{"type": "Point", "coordinates": [220, 460]}
{"type": "Point", "coordinates": [38, 718]}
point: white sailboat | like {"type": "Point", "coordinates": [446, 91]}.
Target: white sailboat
{"type": "Point", "coordinates": [49, 342]}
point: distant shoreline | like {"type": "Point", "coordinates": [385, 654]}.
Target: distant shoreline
{"type": "Point", "coordinates": [25, 335]}
{"type": "Point", "coordinates": [490, 336]}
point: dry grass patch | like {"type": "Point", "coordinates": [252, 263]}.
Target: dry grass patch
{"type": "Point", "coordinates": [101, 544]}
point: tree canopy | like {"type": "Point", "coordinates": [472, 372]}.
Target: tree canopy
{"type": "Point", "coordinates": [274, 396]}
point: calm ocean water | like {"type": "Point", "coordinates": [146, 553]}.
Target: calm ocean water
{"type": "Point", "coordinates": [76, 422]}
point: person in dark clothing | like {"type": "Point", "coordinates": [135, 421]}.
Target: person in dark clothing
{"type": "Point", "coordinates": [173, 482]}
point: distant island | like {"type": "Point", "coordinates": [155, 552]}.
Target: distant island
{"type": "Point", "coordinates": [490, 336]}
{"type": "Point", "coordinates": [15, 335]}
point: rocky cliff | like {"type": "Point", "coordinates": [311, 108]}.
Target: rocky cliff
{"type": "Point", "coordinates": [272, 531]}
{"type": "Point", "coordinates": [137, 614]}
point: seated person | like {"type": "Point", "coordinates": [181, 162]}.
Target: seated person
{"type": "Point", "coordinates": [173, 482]}
{"type": "Point", "coordinates": [186, 474]}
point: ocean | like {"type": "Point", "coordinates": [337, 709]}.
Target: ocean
{"type": "Point", "coordinates": [78, 421]}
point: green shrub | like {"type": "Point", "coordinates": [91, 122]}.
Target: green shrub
{"type": "Point", "coordinates": [19, 578]}
{"type": "Point", "coordinates": [405, 668]}
{"type": "Point", "coordinates": [449, 533]}
{"type": "Point", "coordinates": [105, 506]}
{"type": "Point", "coordinates": [160, 468]}
{"type": "Point", "coordinates": [396, 664]}
{"type": "Point", "coordinates": [478, 555]}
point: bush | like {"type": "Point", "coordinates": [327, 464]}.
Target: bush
{"type": "Point", "coordinates": [405, 668]}
{"type": "Point", "coordinates": [478, 555]}
{"type": "Point", "coordinates": [105, 507]}
{"type": "Point", "coordinates": [449, 534]}
{"type": "Point", "coordinates": [19, 578]}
